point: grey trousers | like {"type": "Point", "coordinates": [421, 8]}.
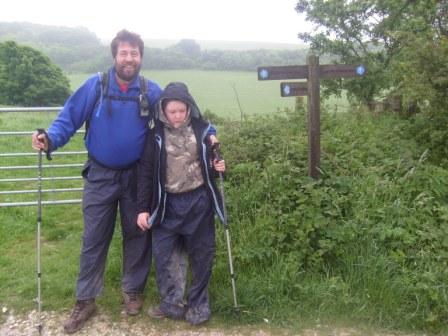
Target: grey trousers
{"type": "Point", "coordinates": [106, 191]}
{"type": "Point", "coordinates": [188, 226]}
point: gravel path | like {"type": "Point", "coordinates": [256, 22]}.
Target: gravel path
{"type": "Point", "coordinates": [101, 324]}
{"type": "Point", "coordinates": [25, 325]}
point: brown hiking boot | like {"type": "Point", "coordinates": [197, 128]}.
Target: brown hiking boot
{"type": "Point", "coordinates": [156, 313]}
{"type": "Point", "coordinates": [133, 303]}
{"type": "Point", "coordinates": [84, 309]}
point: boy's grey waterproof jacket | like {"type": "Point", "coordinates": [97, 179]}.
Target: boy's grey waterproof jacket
{"type": "Point", "coordinates": [151, 195]}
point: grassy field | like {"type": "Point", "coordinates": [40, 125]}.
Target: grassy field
{"type": "Point", "coordinates": [219, 91]}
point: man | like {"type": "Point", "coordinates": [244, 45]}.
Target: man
{"type": "Point", "coordinates": [117, 126]}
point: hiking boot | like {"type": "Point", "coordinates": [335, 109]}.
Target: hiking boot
{"type": "Point", "coordinates": [197, 316]}
{"type": "Point", "coordinates": [156, 313]}
{"type": "Point", "coordinates": [133, 303]}
{"type": "Point", "coordinates": [84, 309]}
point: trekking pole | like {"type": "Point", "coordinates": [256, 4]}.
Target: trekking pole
{"type": "Point", "coordinates": [217, 156]}
{"type": "Point", "coordinates": [39, 222]}
{"type": "Point", "coordinates": [38, 234]}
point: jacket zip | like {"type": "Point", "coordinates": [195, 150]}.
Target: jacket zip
{"type": "Point", "coordinates": [156, 210]}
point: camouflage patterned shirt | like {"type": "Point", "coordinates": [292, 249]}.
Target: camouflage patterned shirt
{"type": "Point", "coordinates": [183, 165]}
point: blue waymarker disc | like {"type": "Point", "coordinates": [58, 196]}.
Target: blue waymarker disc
{"type": "Point", "coordinates": [287, 90]}
{"type": "Point", "coordinates": [360, 70]}
{"type": "Point", "coordinates": [264, 74]}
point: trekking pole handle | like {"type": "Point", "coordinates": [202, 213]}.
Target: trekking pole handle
{"type": "Point", "coordinates": [216, 150]}
{"type": "Point", "coordinates": [42, 131]}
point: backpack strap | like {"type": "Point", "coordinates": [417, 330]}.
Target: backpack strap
{"type": "Point", "coordinates": [103, 79]}
{"type": "Point", "coordinates": [143, 98]}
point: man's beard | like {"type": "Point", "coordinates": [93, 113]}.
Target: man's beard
{"type": "Point", "coordinates": [126, 74]}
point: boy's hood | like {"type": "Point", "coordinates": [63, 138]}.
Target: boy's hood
{"type": "Point", "coordinates": [178, 91]}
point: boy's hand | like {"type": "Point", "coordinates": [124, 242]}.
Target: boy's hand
{"type": "Point", "coordinates": [142, 221]}
{"type": "Point", "coordinates": [220, 166]}
{"type": "Point", "coordinates": [213, 139]}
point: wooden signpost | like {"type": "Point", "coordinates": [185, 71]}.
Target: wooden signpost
{"type": "Point", "coordinates": [313, 72]}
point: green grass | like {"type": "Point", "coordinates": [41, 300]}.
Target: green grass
{"type": "Point", "coordinates": [61, 225]}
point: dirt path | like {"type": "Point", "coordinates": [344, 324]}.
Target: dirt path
{"type": "Point", "coordinates": [101, 324]}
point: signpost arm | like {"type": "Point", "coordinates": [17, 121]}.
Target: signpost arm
{"type": "Point", "coordinates": [313, 116]}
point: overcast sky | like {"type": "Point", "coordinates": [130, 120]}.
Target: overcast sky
{"type": "Point", "coordinates": [229, 20]}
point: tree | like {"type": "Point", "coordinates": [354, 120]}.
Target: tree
{"type": "Point", "coordinates": [384, 35]}
{"type": "Point", "coordinates": [188, 47]}
{"type": "Point", "coordinates": [404, 44]}
{"type": "Point", "coordinates": [28, 78]}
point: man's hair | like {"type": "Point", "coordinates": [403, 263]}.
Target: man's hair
{"type": "Point", "coordinates": [127, 36]}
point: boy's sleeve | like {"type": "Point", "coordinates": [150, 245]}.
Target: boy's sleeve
{"type": "Point", "coordinates": [211, 130]}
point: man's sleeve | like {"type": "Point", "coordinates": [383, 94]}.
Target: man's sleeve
{"type": "Point", "coordinates": [74, 113]}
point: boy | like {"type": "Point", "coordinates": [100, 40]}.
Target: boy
{"type": "Point", "coordinates": [176, 197]}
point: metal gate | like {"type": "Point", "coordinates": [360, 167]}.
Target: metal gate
{"type": "Point", "coordinates": [61, 181]}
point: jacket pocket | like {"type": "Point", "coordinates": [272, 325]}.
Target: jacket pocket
{"type": "Point", "coordinates": [85, 170]}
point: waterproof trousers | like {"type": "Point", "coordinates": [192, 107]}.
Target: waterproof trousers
{"type": "Point", "coordinates": [105, 192]}
{"type": "Point", "coordinates": [188, 224]}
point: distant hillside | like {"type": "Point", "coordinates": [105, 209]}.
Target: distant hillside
{"type": "Point", "coordinates": [80, 50]}
{"type": "Point", "coordinates": [42, 35]}
{"type": "Point", "coordinates": [226, 45]}
{"type": "Point", "coordinates": [70, 48]}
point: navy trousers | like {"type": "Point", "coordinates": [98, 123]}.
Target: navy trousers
{"type": "Point", "coordinates": [188, 225]}
{"type": "Point", "coordinates": [105, 192]}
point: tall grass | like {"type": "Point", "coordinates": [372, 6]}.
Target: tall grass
{"type": "Point", "coordinates": [365, 243]}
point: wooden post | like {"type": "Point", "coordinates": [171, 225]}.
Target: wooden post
{"type": "Point", "coordinates": [312, 72]}
{"type": "Point", "coordinates": [313, 116]}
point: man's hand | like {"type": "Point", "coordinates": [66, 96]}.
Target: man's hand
{"type": "Point", "coordinates": [142, 221]}
{"type": "Point", "coordinates": [39, 141]}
